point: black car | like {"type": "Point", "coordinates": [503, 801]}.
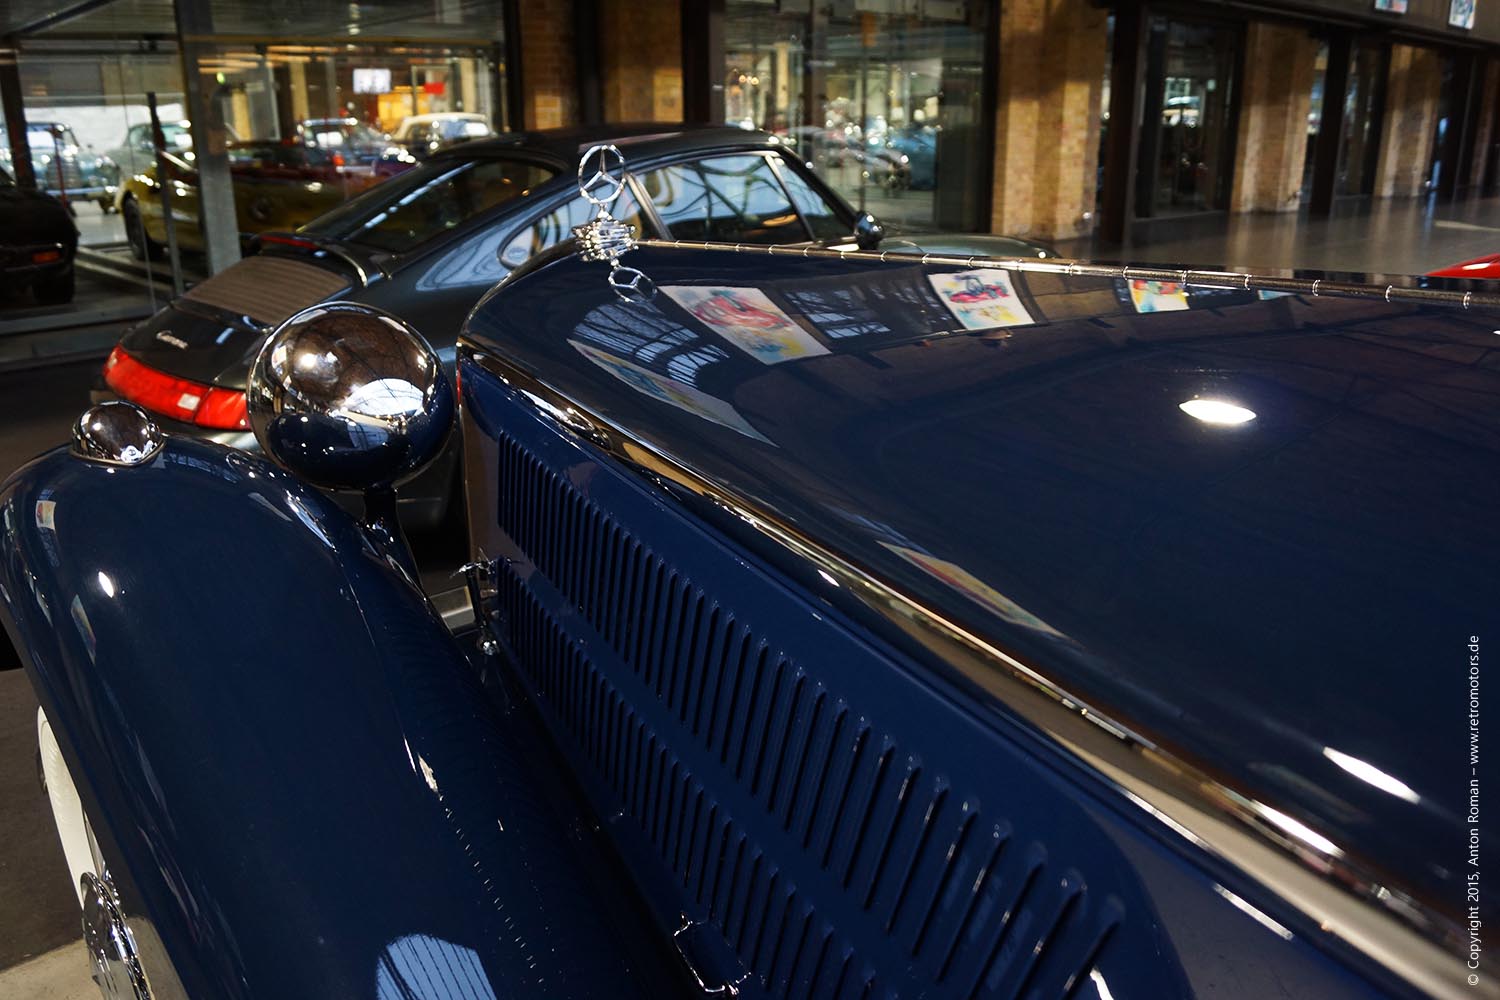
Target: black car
{"type": "Point", "coordinates": [37, 242]}
{"type": "Point", "coordinates": [426, 244]}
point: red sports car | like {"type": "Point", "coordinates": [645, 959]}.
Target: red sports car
{"type": "Point", "coordinates": [1479, 267]}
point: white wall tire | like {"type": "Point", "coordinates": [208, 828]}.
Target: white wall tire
{"type": "Point", "coordinates": [67, 809]}
{"type": "Point", "coordinates": [111, 945]}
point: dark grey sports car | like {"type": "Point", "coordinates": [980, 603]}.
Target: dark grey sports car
{"type": "Point", "coordinates": [37, 243]}
{"type": "Point", "coordinates": [426, 244]}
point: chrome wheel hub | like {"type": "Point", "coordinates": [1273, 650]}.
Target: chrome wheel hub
{"type": "Point", "coordinates": [116, 966]}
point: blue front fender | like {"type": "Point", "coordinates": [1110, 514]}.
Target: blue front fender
{"type": "Point", "coordinates": [285, 754]}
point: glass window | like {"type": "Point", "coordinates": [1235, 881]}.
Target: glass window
{"type": "Point", "coordinates": [335, 80]}
{"type": "Point", "coordinates": [556, 226]}
{"type": "Point", "coordinates": [734, 199]}
{"type": "Point", "coordinates": [884, 103]}
{"type": "Point", "coordinates": [338, 134]}
{"type": "Point", "coordinates": [821, 216]}
{"type": "Point", "coordinates": [415, 206]}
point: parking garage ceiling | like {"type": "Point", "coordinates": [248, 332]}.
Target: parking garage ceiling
{"type": "Point", "coordinates": [471, 20]}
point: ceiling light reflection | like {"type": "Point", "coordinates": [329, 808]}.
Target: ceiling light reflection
{"type": "Point", "coordinates": [1216, 411]}
{"type": "Point", "coordinates": [1300, 830]}
{"type": "Point", "coordinates": [1368, 772]}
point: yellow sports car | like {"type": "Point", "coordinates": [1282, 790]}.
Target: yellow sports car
{"type": "Point", "coordinates": [277, 185]}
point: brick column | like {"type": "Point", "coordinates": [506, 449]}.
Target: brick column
{"type": "Point", "coordinates": [640, 51]}
{"type": "Point", "coordinates": [549, 96]}
{"type": "Point", "coordinates": [1280, 65]}
{"type": "Point", "coordinates": [1411, 107]}
{"type": "Point", "coordinates": [1051, 67]}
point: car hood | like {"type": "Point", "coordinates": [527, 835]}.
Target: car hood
{"type": "Point", "coordinates": [212, 333]}
{"type": "Point", "coordinates": [1286, 602]}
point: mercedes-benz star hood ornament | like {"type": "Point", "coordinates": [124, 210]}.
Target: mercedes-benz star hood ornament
{"type": "Point", "coordinates": [601, 181]}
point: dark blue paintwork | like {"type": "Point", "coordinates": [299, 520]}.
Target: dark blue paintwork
{"type": "Point", "coordinates": [314, 798]}
{"type": "Point", "coordinates": [1268, 600]}
{"type": "Point", "coordinates": [796, 787]}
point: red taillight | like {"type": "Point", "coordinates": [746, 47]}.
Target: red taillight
{"type": "Point", "coordinates": [46, 256]}
{"type": "Point", "coordinates": [223, 409]}
{"type": "Point", "coordinates": [291, 241]}
{"type": "Point", "coordinates": [338, 159]}
{"type": "Point", "coordinates": [179, 398]}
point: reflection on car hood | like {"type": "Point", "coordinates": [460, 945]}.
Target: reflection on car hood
{"type": "Point", "coordinates": [1284, 600]}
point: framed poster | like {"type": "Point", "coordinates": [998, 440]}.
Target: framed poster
{"type": "Point", "coordinates": [972, 587]}
{"type": "Point", "coordinates": [1461, 14]}
{"type": "Point", "coordinates": [1391, 6]}
{"type": "Point", "coordinates": [670, 391]}
{"type": "Point", "coordinates": [1157, 296]}
{"type": "Point", "coordinates": [981, 299]}
{"type": "Point", "coordinates": [747, 318]}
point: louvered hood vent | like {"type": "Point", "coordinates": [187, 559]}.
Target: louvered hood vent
{"type": "Point", "coordinates": [836, 857]}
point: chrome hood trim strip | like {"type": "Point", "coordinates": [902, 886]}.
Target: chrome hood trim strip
{"type": "Point", "coordinates": [1326, 882]}
{"type": "Point", "coordinates": [1186, 276]}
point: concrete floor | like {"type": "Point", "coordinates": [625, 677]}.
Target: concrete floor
{"type": "Point", "coordinates": [1387, 237]}
{"type": "Point", "coordinates": [61, 974]}
{"type": "Point", "coordinates": [38, 914]}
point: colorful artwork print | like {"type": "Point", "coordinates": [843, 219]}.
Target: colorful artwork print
{"type": "Point", "coordinates": [972, 587]}
{"type": "Point", "coordinates": [747, 318]}
{"type": "Point", "coordinates": [1158, 296]}
{"type": "Point", "coordinates": [670, 391]}
{"type": "Point", "coordinates": [1391, 6]}
{"type": "Point", "coordinates": [1461, 14]}
{"type": "Point", "coordinates": [982, 299]}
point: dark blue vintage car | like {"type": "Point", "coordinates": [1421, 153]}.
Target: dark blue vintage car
{"type": "Point", "coordinates": [843, 625]}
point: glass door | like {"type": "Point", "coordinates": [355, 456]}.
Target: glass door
{"type": "Point", "coordinates": [1359, 143]}
{"type": "Point", "coordinates": [1190, 108]}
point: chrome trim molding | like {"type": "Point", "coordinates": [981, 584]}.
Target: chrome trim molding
{"type": "Point", "coordinates": [1206, 279]}
{"type": "Point", "coordinates": [350, 259]}
{"type": "Point", "coordinates": [1328, 883]}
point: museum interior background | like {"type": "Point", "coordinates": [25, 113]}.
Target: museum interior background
{"type": "Point", "coordinates": [1054, 119]}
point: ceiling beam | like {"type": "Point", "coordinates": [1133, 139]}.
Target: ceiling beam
{"type": "Point", "coordinates": [63, 16]}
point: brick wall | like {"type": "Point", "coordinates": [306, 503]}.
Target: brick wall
{"type": "Point", "coordinates": [640, 55]}
{"type": "Point", "coordinates": [1411, 107]}
{"type": "Point", "coordinates": [1280, 64]}
{"type": "Point", "coordinates": [1051, 65]}
{"type": "Point", "coordinates": [549, 89]}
